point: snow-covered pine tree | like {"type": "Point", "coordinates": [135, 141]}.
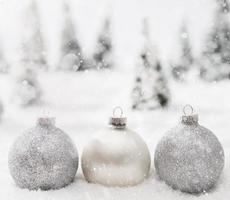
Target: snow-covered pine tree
{"type": "Point", "coordinates": [185, 61]}
{"type": "Point", "coordinates": [215, 60]}
{"type": "Point", "coordinates": [103, 53]}
{"type": "Point", "coordinates": [32, 47]}
{"type": "Point", "coordinates": [71, 53]}
{"type": "Point", "coordinates": [151, 89]}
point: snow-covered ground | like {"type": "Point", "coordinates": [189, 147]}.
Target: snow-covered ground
{"type": "Point", "coordinates": [82, 104]}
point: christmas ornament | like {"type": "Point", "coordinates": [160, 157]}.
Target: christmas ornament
{"type": "Point", "coordinates": [27, 90]}
{"type": "Point", "coordinates": [70, 62]}
{"type": "Point", "coordinates": [43, 158]}
{"type": "Point", "coordinates": [116, 156]}
{"type": "Point", "coordinates": [72, 57]}
{"type": "Point", "coordinates": [189, 157]}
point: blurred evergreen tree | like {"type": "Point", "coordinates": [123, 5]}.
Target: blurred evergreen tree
{"type": "Point", "coordinates": [71, 52]}
{"type": "Point", "coordinates": [183, 65]}
{"type": "Point", "coordinates": [32, 47]}
{"type": "Point", "coordinates": [216, 53]}
{"type": "Point", "coordinates": [103, 54]}
{"type": "Point", "coordinates": [150, 89]}
{"type": "Point", "coordinates": [4, 66]}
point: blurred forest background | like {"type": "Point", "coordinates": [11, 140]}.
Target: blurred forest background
{"type": "Point", "coordinates": [183, 41]}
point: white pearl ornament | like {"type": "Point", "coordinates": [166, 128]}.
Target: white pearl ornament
{"type": "Point", "coordinates": [116, 156]}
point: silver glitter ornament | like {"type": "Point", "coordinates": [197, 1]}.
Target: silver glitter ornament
{"type": "Point", "coordinates": [43, 158]}
{"type": "Point", "coordinates": [116, 156]}
{"type": "Point", "coordinates": [189, 157]}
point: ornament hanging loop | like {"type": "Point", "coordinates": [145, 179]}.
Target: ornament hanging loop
{"type": "Point", "coordinates": [116, 110]}
{"type": "Point", "coordinates": [188, 110]}
{"type": "Point", "coordinates": [117, 120]}
{"type": "Point", "coordinates": [189, 118]}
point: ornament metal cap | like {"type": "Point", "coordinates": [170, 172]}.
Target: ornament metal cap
{"type": "Point", "coordinates": [189, 118]}
{"type": "Point", "coordinates": [118, 122]}
{"type": "Point", "coordinates": [46, 121]}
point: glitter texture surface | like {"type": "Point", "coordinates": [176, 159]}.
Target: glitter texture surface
{"type": "Point", "coordinates": [189, 157]}
{"type": "Point", "coordinates": [43, 158]}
